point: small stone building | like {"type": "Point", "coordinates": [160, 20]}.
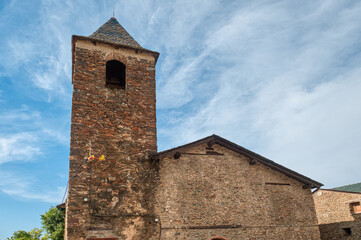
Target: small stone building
{"type": "Point", "coordinates": [122, 188]}
{"type": "Point", "coordinates": [339, 212]}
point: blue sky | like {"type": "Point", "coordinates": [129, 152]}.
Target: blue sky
{"type": "Point", "coordinates": [281, 78]}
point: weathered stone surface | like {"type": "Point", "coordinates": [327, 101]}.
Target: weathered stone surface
{"type": "Point", "coordinates": [110, 198]}
{"type": "Point", "coordinates": [205, 195]}
{"type": "Point", "coordinates": [335, 215]}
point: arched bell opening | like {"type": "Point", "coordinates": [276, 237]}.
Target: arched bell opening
{"type": "Point", "coordinates": [115, 74]}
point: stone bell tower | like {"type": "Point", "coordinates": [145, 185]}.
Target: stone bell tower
{"type": "Point", "coordinates": [113, 114]}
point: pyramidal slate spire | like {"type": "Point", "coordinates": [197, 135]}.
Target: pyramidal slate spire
{"type": "Point", "coordinates": [113, 32]}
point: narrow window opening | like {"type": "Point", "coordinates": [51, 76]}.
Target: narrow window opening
{"type": "Point", "coordinates": [218, 238]}
{"type": "Point", "coordinates": [356, 207]}
{"type": "Point", "coordinates": [347, 231]}
{"type": "Point", "coordinates": [115, 74]}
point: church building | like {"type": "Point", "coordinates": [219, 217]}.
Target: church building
{"type": "Point", "coordinates": [122, 188]}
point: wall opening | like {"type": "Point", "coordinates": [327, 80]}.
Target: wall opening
{"type": "Point", "coordinates": [347, 231]}
{"type": "Point", "coordinates": [115, 74]}
{"type": "Point", "coordinates": [279, 184]}
{"type": "Point", "coordinates": [355, 207]}
{"type": "Point", "coordinates": [218, 238]}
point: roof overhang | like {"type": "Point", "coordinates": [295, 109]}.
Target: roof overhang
{"type": "Point", "coordinates": [334, 190]}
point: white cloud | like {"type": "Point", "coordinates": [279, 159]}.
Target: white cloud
{"type": "Point", "coordinates": [21, 53]}
{"type": "Point", "coordinates": [178, 39]}
{"type": "Point", "coordinates": [177, 90]}
{"type": "Point", "coordinates": [57, 135]}
{"type": "Point", "coordinates": [319, 128]}
{"type": "Point", "coordinates": [15, 116]}
{"type": "Point", "coordinates": [26, 189]}
{"type": "Point", "coordinates": [27, 140]}
{"type": "Point", "coordinates": [287, 86]}
{"type": "Point", "coordinates": [280, 77]}
{"type": "Point", "coordinates": [21, 146]}
{"type": "Point", "coordinates": [40, 48]}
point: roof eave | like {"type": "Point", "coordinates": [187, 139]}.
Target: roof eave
{"type": "Point", "coordinates": [333, 190]}
{"type": "Point", "coordinates": [116, 45]}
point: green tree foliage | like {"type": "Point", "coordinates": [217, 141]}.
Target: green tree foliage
{"type": "Point", "coordinates": [20, 235]}
{"type": "Point", "coordinates": [53, 223]}
{"type": "Point", "coordinates": [34, 234]}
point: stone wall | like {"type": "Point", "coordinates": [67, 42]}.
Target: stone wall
{"type": "Point", "coordinates": [111, 198]}
{"type": "Point", "coordinates": [335, 216]}
{"type": "Point", "coordinates": [203, 195]}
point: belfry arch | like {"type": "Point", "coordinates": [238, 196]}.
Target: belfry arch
{"type": "Point", "coordinates": [115, 74]}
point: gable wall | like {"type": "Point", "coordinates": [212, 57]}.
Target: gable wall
{"type": "Point", "coordinates": [204, 196]}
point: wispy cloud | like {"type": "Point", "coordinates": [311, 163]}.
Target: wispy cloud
{"type": "Point", "coordinates": [18, 142]}
{"type": "Point", "coordinates": [14, 116]}
{"type": "Point", "coordinates": [277, 77]}
{"type": "Point", "coordinates": [285, 83]}
{"type": "Point", "coordinates": [41, 48]}
{"type": "Point", "coordinates": [57, 135]}
{"type": "Point", "coordinates": [25, 138]}
{"type": "Point", "coordinates": [21, 146]}
{"type": "Point", "coordinates": [25, 188]}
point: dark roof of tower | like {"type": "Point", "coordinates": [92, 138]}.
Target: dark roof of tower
{"type": "Point", "coordinates": [214, 139]}
{"type": "Point", "coordinates": [113, 32]}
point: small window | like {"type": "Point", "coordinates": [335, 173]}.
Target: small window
{"type": "Point", "coordinates": [347, 231]}
{"type": "Point", "coordinates": [115, 74]}
{"type": "Point", "coordinates": [218, 238]}
{"type": "Point", "coordinates": [356, 207]}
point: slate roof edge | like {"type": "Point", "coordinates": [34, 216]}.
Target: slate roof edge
{"type": "Point", "coordinates": [141, 49]}
{"type": "Point", "coordinates": [334, 190]}
{"type": "Point", "coordinates": [348, 187]}
{"type": "Point", "coordinates": [252, 155]}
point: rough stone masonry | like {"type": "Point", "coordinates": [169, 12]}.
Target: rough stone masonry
{"type": "Point", "coordinates": [210, 189]}
{"type": "Point", "coordinates": [111, 197]}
